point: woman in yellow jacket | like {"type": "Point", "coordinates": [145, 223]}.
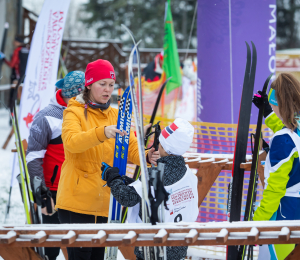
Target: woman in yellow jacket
{"type": "Point", "coordinates": [88, 134]}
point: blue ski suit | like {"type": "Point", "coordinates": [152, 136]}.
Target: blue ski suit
{"type": "Point", "coordinates": [281, 196]}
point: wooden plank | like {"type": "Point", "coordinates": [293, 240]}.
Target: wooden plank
{"type": "Point", "coordinates": [260, 168]}
{"type": "Point", "coordinates": [100, 238]}
{"type": "Point", "coordinates": [295, 254]}
{"type": "Point", "coordinates": [8, 138]}
{"type": "Point", "coordinates": [169, 242]}
{"type": "Point", "coordinates": [61, 229]}
{"type": "Point", "coordinates": [228, 166]}
{"type": "Point", "coordinates": [128, 252]}
{"type": "Point", "coordinates": [246, 166]}
{"type": "Point", "coordinates": [25, 145]}
{"type": "Point", "coordinates": [39, 237]}
{"type": "Point", "coordinates": [129, 238]}
{"type": "Point", "coordinates": [284, 234]}
{"type": "Point", "coordinates": [18, 253]}
{"type": "Point", "coordinates": [9, 238]}
{"type": "Point", "coordinates": [65, 252]}
{"type": "Point", "coordinates": [222, 237]}
{"type": "Point", "coordinates": [207, 174]}
{"type": "Point", "coordinates": [69, 238]}
{"type": "Point", "coordinates": [253, 235]}
{"type": "Point", "coordinates": [160, 237]}
{"type": "Point", "coordinates": [193, 164]}
{"type": "Point", "coordinates": [192, 236]}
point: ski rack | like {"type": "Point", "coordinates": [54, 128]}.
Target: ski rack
{"type": "Point", "coordinates": [209, 167]}
{"type": "Point", "coordinates": [144, 234]}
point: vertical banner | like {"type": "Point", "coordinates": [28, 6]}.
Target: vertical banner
{"type": "Point", "coordinates": [223, 27]}
{"type": "Point", "coordinates": [42, 66]}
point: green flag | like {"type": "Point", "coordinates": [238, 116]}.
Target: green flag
{"type": "Point", "coordinates": [171, 65]}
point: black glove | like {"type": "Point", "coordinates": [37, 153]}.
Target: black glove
{"type": "Point", "coordinates": [109, 173]}
{"type": "Point", "coordinates": [127, 180]}
{"type": "Point", "coordinates": [46, 199]}
{"type": "Point", "coordinates": [261, 101]}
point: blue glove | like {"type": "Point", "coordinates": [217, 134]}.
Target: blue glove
{"type": "Point", "coordinates": [109, 173]}
{"type": "Point", "coordinates": [2, 55]}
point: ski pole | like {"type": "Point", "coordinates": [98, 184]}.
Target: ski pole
{"type": "Point", "coordinates": [21, 178]}
{"type": "Point", "coordinates": [8, 204]}
{"type": "Point", "coordinates": [23, 160]}
{"type": "Point", "coordinates": [37, 187]}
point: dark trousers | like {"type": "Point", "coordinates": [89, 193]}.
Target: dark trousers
{"type": "Point", "coordinates": [83, 253]}
{"type": "Point", "coordinates": [52, 252]}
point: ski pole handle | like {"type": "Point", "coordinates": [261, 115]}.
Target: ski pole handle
{"type": "Point", "coordinates": [20, 185]}
{"type": "Point", "coordinates": [104, 167]}
{"type": "Point", "coordinates": [37, 187]}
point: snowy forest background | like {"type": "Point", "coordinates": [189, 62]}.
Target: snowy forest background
{"type": "Point", "coordinates": [101, 19]}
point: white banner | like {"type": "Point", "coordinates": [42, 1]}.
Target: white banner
{"type": "Point", "coordinates": [42, 66]}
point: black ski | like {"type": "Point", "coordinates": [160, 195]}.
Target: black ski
{"type": "Point", "coordinates": [3, 45]}
{"type": "Point", "coordinates": [252, 189]}
{"type": "Point", "coordinates": [236, 187]}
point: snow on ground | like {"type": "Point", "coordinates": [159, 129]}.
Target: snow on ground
{"type": "Point", "coordinates": [16, 215]}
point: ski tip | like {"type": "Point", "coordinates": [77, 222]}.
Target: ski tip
{"type": "Point", "coordinates": [267, 82]}
{"type": "Point", "coordinates": [253, 46]}
{"type": "Point", "coordinates": [6, 25]}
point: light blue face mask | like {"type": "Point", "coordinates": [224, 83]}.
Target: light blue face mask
{"type": "Point", "coordinates": [272, 97]}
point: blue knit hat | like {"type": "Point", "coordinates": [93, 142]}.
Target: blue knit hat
{"type": "Point", "coordinates": [72, 84]}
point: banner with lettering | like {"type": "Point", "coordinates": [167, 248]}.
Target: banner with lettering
{"type": "Point", "coordinates": [42, 66]}
{"type": "Point", "coordinates": [223, 27]}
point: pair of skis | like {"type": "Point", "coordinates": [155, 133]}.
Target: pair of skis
{"type": "Point", "coordinates": [120, 161]}
{"type": "Point", "coordinates": [32, 217]}
{"type": "Point", "coordinates": [139, 122]}
{"type": "Point", "coordinates": [121, 149]}
{"type": "Point", "coordinates": [236, 186]}
{"type": "Point", "coordinates": [137, 171]}
{"type": "Point", "coordinates": [253, 181]}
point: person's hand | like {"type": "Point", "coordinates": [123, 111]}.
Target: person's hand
{"type": "Point", "coordinates": [260, 100]}
{"type": "Point", "coordinates": [153, 156]}
{"type": "Point", "coordinates": [44, 209]}
{"type": "Point", "coordinates": [111, 131]}
{"type": "Point", "coordinates": [48, 207]}
{"type": "Point", "coordinates": [2, 55]}
{"type": "Point", "coordinates": [146, 127]}
{"type": "Point", "coordinates": [109, 173]}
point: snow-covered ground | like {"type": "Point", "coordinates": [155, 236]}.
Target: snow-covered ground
{"type": "Point", "coordinates": [17, 216]}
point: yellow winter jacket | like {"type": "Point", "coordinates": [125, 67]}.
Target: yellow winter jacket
{"type": "Point", "coordinates": [80, 188]}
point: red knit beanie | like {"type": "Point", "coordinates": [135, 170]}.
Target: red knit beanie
{"type": "Point", "coordinates": [97, 70]}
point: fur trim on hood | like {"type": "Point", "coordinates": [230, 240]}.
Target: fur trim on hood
{"type": "Point", "coordinates": [80, 99]}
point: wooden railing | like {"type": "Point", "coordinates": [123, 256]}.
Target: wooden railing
{"type": "Point", "coordinates": [175, 234]}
